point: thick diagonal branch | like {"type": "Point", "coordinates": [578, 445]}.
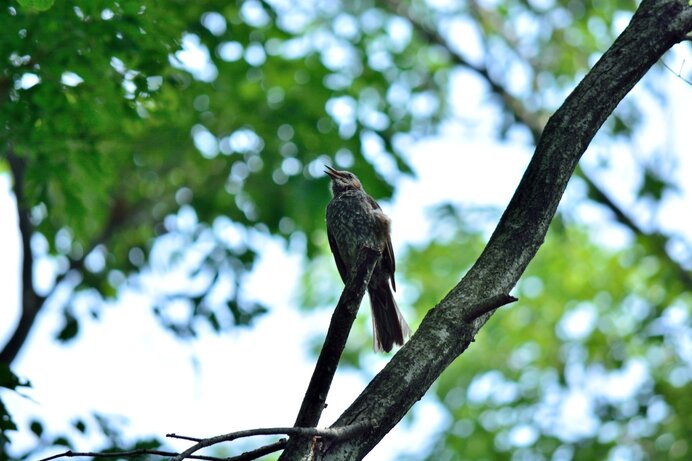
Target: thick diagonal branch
{"type": "Point", "coordinates": [535, 123]}
{"type": "Point", "coordinates": [443, 335]}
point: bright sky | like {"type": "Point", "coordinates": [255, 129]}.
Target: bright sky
{"type": "Point", "coordinates": [124, 364]}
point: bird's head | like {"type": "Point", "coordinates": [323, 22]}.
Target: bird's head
{"type": "Point", "coordinates": [342, 181]}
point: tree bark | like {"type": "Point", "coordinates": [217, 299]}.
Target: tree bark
{"type": "Point", "coordinates": [444, 335]}
{"type": "Point", "coordinates": [334, 344]}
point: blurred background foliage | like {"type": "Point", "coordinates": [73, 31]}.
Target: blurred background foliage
{"type": "Point", "coordinates": [167, 137]}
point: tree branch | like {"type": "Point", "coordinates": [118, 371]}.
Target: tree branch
{"type": "Point", "coordinates": [514, 105]}
{"type": "Point", "coordinates": [124, 454]}
{"type": "Point", "coordinates": [342, 319]}
{"type": "Point", "coordinates": [334, 344]}
{"type": "Point", "coordinates": [535, 124]}
{"type": "Point", "coordinates": [31, 301]}
{"type": "Point", "coordinates": [678, 74]}
{"type": "Point", "coordinates": [658, 241]}
{"type": "Point", "coordinates": [443, 335]}
{"type": "Point", "coordinates": [334, 433]}
{"type": "Point", "coordinates": [315, 396]}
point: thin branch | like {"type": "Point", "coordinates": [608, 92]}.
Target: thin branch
{"type": "Point", "coordinates": [183, 437]}
{"type": "Point", "coordinates": [335, 433]}
{"type": "Point", "coordinates": [31, 301]}
{"type": "Point", "coordinates": [124, 454]}
{"type": "Point", "coordinates": [513, 104]}
{"type": "Point", "coordinates": [677, 74]}
{"type": "Point", "coordinates": [342, 320]}
{"type": "Point", "coordinates": [335, 341]}
{"type": "Point", "coordinates": [657, 240]}
{"type": "Point", "coordinates": [259, 452]}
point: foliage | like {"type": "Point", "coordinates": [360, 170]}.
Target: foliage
{"type": "Point", "coordinates": [38, 5]}
{"type": "Point", "coordinates": [261, 130]}
{"type": "Point", "coordinates": [586, 365]}
{"type": "Point", "coordinates": [162, 138]}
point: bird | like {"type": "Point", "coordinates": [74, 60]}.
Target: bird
{"type": "Point", "coordinates": [354, 220]}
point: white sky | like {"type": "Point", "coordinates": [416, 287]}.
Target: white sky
{"type": "Point", "coordinates": [126, 365]}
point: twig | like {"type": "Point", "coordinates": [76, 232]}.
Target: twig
{"type": "Point", "coordinates": [488, 305]}
{"type": "Point", "coordinates": [122, 454]}
{"type": "Point", "coordinates": [259, 452]}
{"type": "Point", "coordinates": [516, 108]}
{"type": "Point", "coordinates": [677, 74]}
{"type": "Point", "coordinates": [183, 437]}
{"type": "Point", "coordinates": [335, 433]}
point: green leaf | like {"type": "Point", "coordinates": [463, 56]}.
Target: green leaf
{"type": "Point", "coordinates": [37, 428]}
{"type": "Point", "coordinates": [69, 329]}
{"type": "Point", "coordinates": [37, 5]}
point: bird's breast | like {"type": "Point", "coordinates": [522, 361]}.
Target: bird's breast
{"type": "Point", "coordinates": [353, 224]}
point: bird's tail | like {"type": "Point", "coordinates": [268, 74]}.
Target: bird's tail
{"type": "Point", "coordinates": [388, 325]}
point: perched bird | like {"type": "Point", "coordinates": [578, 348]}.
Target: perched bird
{"type": "Point", "coordinates": [355, 220]}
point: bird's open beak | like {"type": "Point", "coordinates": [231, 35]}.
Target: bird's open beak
{"type": "Point", "coordinates": [332, 173]}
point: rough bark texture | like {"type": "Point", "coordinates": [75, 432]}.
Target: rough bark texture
{"type": "Point", "coordinates": [444, 335]}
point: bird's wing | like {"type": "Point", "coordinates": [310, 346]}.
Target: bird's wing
{"type": "Point", "coordinates": [388, 261]}
{"type": "Point", "coordinates": [343, 272]}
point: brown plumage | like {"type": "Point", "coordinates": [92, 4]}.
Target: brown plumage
{"type": "Point", "coordinates": [354, 220]}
